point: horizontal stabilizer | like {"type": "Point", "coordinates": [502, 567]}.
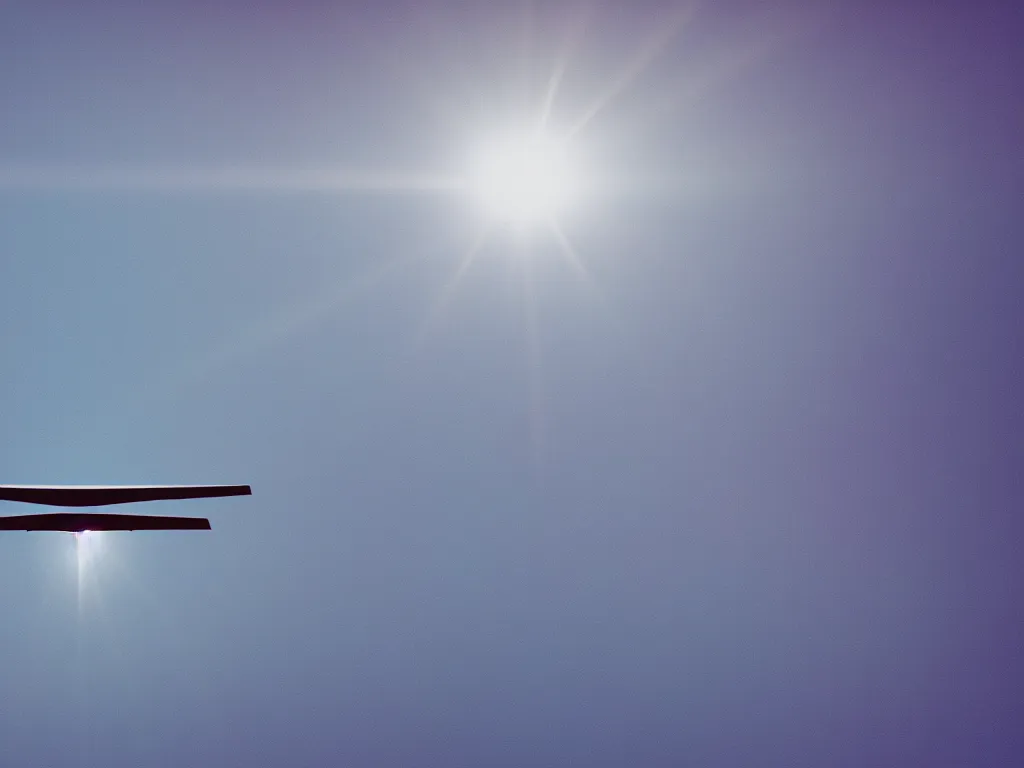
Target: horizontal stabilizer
{"type": "Point", "coordinates": [75, 522]}
{"type": "Point", "coordinates": [101, 495]}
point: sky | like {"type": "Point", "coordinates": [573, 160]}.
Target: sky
{"type": "Point", "coordinates": [727, 474]}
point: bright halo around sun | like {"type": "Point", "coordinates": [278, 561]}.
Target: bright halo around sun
{"type": "Point", "coordinates": [523, 179]}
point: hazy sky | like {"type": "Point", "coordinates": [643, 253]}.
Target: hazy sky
{"type": "Point", "coordinates": [746, 494]}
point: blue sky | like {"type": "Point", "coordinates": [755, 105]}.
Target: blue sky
{"type": "Point", "coordinates": [748, 495]}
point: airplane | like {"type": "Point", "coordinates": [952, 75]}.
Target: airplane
{"type": "Point", "coordinates": [104, 495]}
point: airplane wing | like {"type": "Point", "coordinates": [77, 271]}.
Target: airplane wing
{"type": "Point", "coordinates": [102, 495]}
{"type": "Point", "coordinates": [74, 522]}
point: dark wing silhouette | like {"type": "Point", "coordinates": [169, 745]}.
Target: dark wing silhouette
{"type": "Point", "coordinates": [101, 495]}
{"type": "Point", "coordinates": [74, 522]}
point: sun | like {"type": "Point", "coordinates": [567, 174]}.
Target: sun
{"type": "Point", "coordinates": [523, 179]}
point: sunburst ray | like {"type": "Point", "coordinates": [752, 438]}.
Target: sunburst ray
{"type": "Point", "coordinates": [637, 65]}
{"type": "Point", "coordinates": [573, 37]}
{"type": "Point", "coordinates": [284, 324]}
{"type": "Point", "coordinates": [569, 252]}
{"type": "Point", "coordinates": [439, 304]}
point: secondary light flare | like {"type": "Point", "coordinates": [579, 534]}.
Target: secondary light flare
{"type": "Point", "coordinates": [88, 546]}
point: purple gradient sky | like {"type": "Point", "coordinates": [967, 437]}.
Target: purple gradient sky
{"type": "Point", "coordinates": [751, 497]}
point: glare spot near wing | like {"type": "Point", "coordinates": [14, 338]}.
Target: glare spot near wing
{"type": "Point", "coordinates": [88, 547]}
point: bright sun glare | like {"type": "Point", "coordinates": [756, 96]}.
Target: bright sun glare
{"type": "Point", "coordinates": [523, 179]}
